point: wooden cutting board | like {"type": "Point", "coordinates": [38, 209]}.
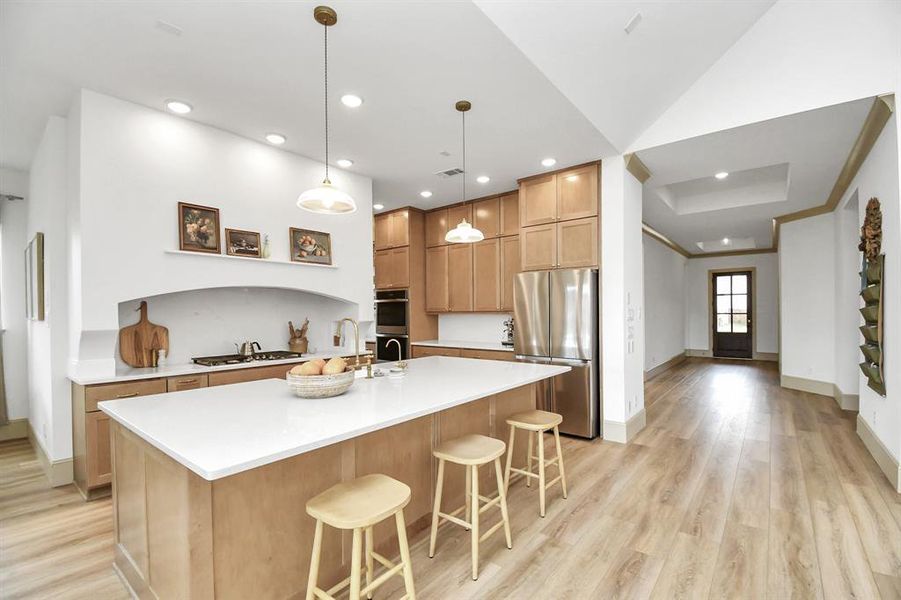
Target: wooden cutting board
{"type": "Point", "coordinates": [137, 342]}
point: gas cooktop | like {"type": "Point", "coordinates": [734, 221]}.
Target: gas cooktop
{"type": "Point", "coordinates": [235, 359]}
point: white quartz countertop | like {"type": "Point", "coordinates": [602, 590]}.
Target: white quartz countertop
{"type": "Point", "coordinates": [224, 430]}
{"type": "Point", "coordinates": [127, 373]}
{"type": "Point", "coordinates": [469, 345]}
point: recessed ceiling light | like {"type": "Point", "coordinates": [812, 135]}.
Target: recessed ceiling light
{"type": "Point", "coordinates": [425, 194]}
{"type": "Point", "coordinates": [378, 206]}
{"type": "Point", "coordinates": [726, 241]}
{"type": "Point", "coordinates": [178, 107]}
{"type": "Point", "coordinates": [483, 179]}
{"type": "Point", "coordinates": [549, 162]}
{"type": "Point", "coordinates": [345, 162]}
{"type": "Point", "coordinates": [351, 101]}
{"type": "Point", "coordinates": [276, 138]}
{"type": "Point", "coordinates": [721, 175]}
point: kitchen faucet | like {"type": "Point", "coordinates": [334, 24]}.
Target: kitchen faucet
{"type": "Point", "coordinates": [356, 339]}
{"type": "Point", "coordinates": [400, 355]}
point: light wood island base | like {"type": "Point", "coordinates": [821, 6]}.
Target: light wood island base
{"type": "Point", "coordinates": [178, 535]}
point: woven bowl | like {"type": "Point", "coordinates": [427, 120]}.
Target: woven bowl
{"type": "Point", "coordinates": [320, 386]}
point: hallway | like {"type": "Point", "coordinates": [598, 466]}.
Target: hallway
{"type": "Point", "coordinates": [736, 488]}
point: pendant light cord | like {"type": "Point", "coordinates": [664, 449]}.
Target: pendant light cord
{"type": "Point", "coordinates": [325, 27]}
{"type": "Point", "coordinates": [464, 155]}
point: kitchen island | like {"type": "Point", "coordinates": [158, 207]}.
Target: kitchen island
{"type": "Point", "coordinates": [209, 485]}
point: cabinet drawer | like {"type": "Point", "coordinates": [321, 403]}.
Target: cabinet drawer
{"type": "Point", "coordinates": [422, 351]}
{"type": "Point", "coordinates": [251, 374]}
{"type": "Point", "coordinates": [487, 354]}
{"type": "Point", "coordinates": [114, 391]}
{"type": "Point", "coordinates": [187, 382]}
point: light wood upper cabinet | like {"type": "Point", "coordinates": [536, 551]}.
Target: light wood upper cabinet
{"type": "Point", "coordinates": [509, 268]}
{"type": "Point", "coordinates": [435, 227]}
{"type": "Point", "coordinates": [459, 277]}
{"type": "Point", "coordinates": [577, 243]}
{"type": "Point", "coordinates": [400, 267]}
{"type": "Point", "coordinates": [436, 279]}
{"type": "Point", "coordinates": [538, 201]}
{"type": "Point", "coordinates": [392, 230]}
{"type": "Point", "coordinates": [509, 204]}
{"type": "Point", "coordinates": [486, 216]}
{"type": "Point", "coordinates": [383, 274]}
{"type": "Point", "coordinates": [392, 268]}
{"type": "Point", "coordinates": [455, 214]}
{"type": "Point", "coordinates": [577, 193]}
{"type": "Point", "coordinates": [486, 265]}
{"type": "Point", "coordinates": [538, 247]}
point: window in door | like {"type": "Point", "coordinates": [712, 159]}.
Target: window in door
{"type": "Point", "coordinates": [732, 335]}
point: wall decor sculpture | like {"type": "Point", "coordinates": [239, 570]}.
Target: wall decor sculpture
{"type": "Point", "coordinates": [871, 292]}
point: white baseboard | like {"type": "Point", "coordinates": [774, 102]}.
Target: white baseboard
{"type": "Point", "coordinates": [698, 353]}
{"type": "Point", "coordinates": [887, 463]}
{"type": "Point", "coordinates": [58, 472]}
{"type": "Point", "coordinates": [812, 386]}
{"type": "Point", "coordinates": [623, 433]}
{"type": "Point", "coordinates": [16, 429]}
{"type": "Point", "coordinates": [664, 366]}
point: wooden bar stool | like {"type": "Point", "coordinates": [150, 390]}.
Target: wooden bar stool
{"type": "Point", "coordinates": [538, 422]}
{"type": "Point", "coordinates": [471, 451]}
{"type": "Point", "coordinates": [358, 505]}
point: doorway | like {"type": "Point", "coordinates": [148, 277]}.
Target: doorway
{"type": "Point", "coordinates": [732, 310]}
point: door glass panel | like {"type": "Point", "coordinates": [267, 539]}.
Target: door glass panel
{"type": "Point", "coordinates": [740, 323]}
{"type": "Point", "coordinates": [723, 304]}
{"type": "Point", "coordinates": [723, 323]}
{"type": "Point", "coordinates": [739, 284]}
{"type": "Point", "coordinates": [740, 304]}
{"type": "Point", "coordinates": [722, 285]}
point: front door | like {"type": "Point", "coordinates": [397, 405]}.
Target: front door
{"type": "Point", "coordinates": [732, 310]}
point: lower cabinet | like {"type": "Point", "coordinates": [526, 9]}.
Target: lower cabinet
{"type": "Point", "coordinates": [487, 354]}
{"type": "Point", "coordinates": [423, 351]}
{"type": "Point", "coordinates": [96, 433]}
{"type": "Point", "coordinates": [187, 382]}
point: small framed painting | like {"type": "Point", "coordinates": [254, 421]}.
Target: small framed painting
{"type": "Point", "coordinates": [311, 246]}
{"type": "Point", "coordinates": [34, 278]}
{"type": "Point", "coordinates": [239, 242]}
{"type": "Point", "coordinates": [198, 228]}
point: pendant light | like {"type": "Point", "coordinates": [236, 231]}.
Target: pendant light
{"type": "Point", "coordinates": [464, 233]}
{"type": "Point", "coordinates": [326, 199]}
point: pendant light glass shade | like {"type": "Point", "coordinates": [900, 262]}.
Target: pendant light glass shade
{"type": "Point", "coordinates": [326, 199]}
{"type": "Point", "coordinates": [464, 233]}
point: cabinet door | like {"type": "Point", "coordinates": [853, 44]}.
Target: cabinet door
{"type": "Point", "coordinates": [383, 231]}
{"type": "Point", "coordinates": [538, 201]}
{"type": "Point", "coordinates": [510, 213]}
{"type": "Point", "coordinates": [186, 382]}
{"type": "Point", "coordinates": [455, 214]}
{"type": "Point", "coordinates": [509, 268]}
{"type": "Point", "coordinates": [96, 434]}
{"type": "Point", "coordinates": [459, 277]}
{"type": "Point", "coordinates": [383, 269]}
{"type": "Point", "coordinates": [423, 351]}
{"type": "Point", "coordinates": [577, 193]}
{"type": "Point", "coordinates": [400, 267]}
{"type": "Point", "coordinates": [400, 228]}
{"type": "Point", "coordinates": [486, 265]}
{"type": "Point", "coordinates": [436, 279]}
{"type": "Point", "coordinates": [577, 243]}
{"type": "Point", "coordinates": [486, 215]}
{"type": "Point", "coordinates": [435, 227]}
{"type": "Point", "coordinates": [538, 247]}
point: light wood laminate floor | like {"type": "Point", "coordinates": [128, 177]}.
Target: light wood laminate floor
{"type": "Point", "coordinates": [736, 488]}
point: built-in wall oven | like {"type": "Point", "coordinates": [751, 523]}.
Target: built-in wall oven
{"type": "Point", "coordinates": [391, 323]}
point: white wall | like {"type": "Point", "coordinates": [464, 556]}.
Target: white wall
{"type": "Point", "coordinates": [472, 327]}
{"type": "Point", "coordinates": [879, 177]}
{"type": "Point", "coordinates": [664, 303]}
{"type": "Point", "coordinates": [13, 225]}
{"type": "Point", "coordinates": [807, 298]}
{"type": "Point", "coordinates": [136, 164]}
{"type": "Point", "coordinates": [622, 295]}
{"type": "Point", "coordinates": [798, 56]}
{"type": "Point", "coordinates": [210, 322]}
{"type": "Point", "coordinates": [766, 299]}
{"type": "Point", "coordinates": [847, 296]}
{"type": "Point", "coordinates": [50, 412]}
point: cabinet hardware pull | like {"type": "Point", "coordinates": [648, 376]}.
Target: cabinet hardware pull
{"type": "Point", "coordinates": [131, 395]}
{"type": "Point", "coordinates": [188, 380]}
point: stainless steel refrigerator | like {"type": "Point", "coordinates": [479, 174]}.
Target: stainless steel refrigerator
{"type": "Point", "coordinates": [556, 316]}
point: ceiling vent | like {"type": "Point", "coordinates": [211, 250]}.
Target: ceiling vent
{"type": "Point", "coordinates": [449, 173]}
